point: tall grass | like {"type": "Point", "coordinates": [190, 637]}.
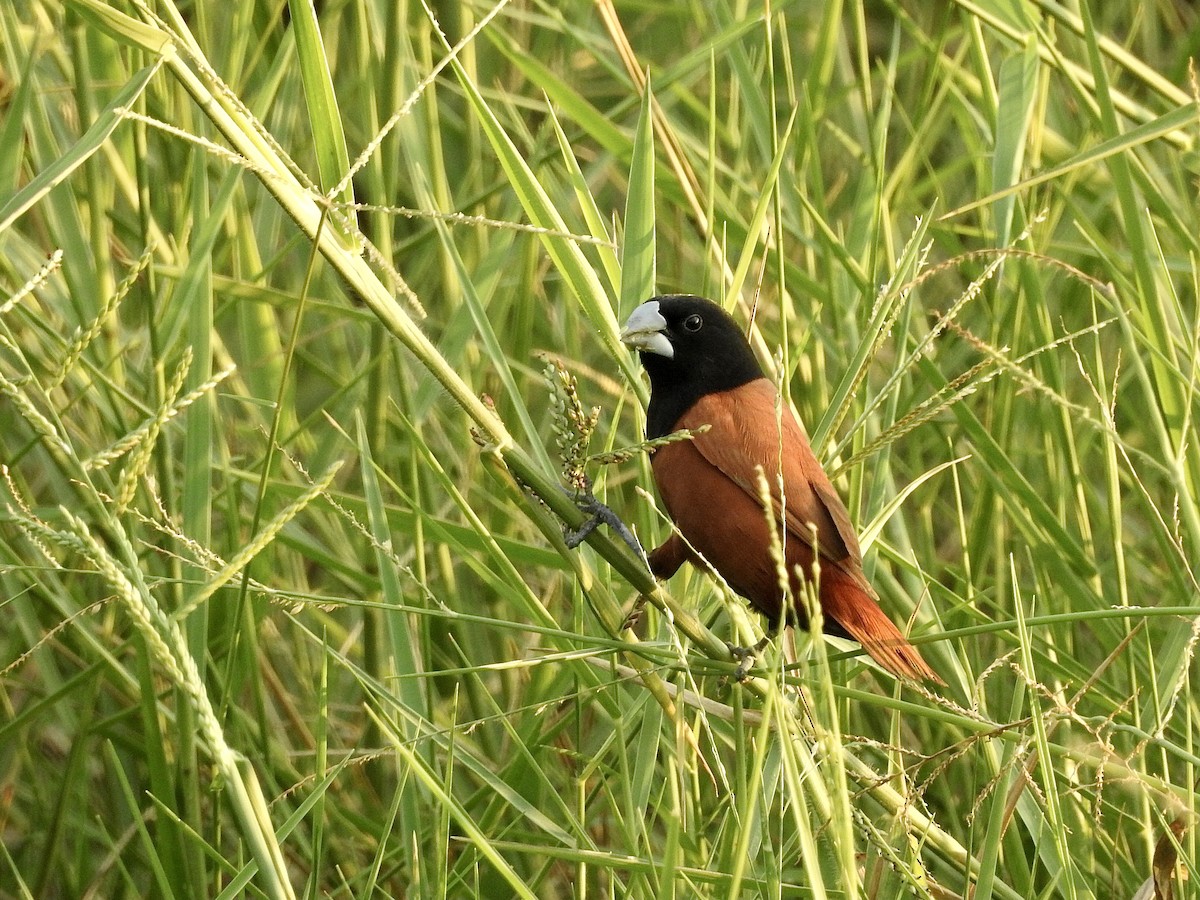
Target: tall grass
{"type": "Point", "coordinates": [289, 608]}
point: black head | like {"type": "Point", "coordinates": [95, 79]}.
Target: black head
{"type": "Point", "coordinates": [690, 347]}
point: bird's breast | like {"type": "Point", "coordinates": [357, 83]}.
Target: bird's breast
{"type": "Point", "coordinates": [724, 526]}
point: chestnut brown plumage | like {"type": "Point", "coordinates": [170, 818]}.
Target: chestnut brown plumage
{"type": "Point", "coordinates": [703, 372]}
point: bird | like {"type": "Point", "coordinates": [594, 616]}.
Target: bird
{"type": "Point", "coordinates": [703, 372]}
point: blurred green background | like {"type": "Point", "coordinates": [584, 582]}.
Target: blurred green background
{"type": "Point", "coordinates": [289, 613]}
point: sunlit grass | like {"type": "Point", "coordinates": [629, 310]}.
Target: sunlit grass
{"type": "Point", "coordinates": [290, 610]}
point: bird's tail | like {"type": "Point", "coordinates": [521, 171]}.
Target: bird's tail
{"type": "Point", "coordinates": [859, 614]}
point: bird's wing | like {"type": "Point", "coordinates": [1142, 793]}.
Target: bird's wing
{"type": "Point", "coordinates": [748, 428]}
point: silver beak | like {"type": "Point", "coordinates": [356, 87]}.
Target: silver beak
{"type": "Point", "coordinates": [646, 330]}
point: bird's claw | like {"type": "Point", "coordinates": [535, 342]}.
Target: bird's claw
{"type": "Point", "coordinates": [576, 536]}
{"type": "Point", "coordinates": [745, 656]}
{"type": "Point", "coordinates": [745, 660]}
{"type": "Point", "coordinates": [599, 514]}
{"type": "Point", "coordinates": [635, 614]}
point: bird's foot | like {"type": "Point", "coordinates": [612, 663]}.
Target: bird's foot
{"type": "Point", "coordinates": [600, 514]}
{"type": "Point", "coordinates": [635, 614]}
{"type": "Point", "coordinates": [745, 656]}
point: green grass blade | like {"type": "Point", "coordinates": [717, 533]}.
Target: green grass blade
{"type": "Point", "coordinates": [90, 143]}
{"type": "Point", "coordinates": [329, 139]}
{"type": "Point", "coordinates": [567, 256]}
{"type": "Point", "coordinates": [637, 250]}
{"type": "Point", "coordinates": [1018, 84]}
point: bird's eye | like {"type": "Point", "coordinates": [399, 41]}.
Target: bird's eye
{"type": "Point", "coordinates": [693, 323]}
